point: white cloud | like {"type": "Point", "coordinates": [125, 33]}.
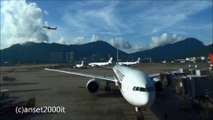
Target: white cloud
{"type": "Point", "coordinates": [75, 41]}
{"type": "Point", "coordinates": [125, 45]}
{"type": "Point", "coordinates": [175, 38]}
{"type": "Point", "coordinates": [157, 41]}
{"type": "Point", "coordinates": [175, 13]}
{"type": "Point", "coordinates": [146, 17]}
{"type": "Point", "coordinates": [92, 19]}
{"type": "Point", "coordinates": [120, 43]}
{"type": "Point", "coordinates": [45, 12]}
{"type": "Point", "coordinates": [78, 40]}
{"type": "Point", "coordinates": [21, 22]}
{"type": "Point", "coordinates": [137, 48]}
{"type": "Point", "coordinates": [163, 39]}
{"type": "Point", "coordinates": [155, 30]}
{"type": "Point", "coordinates": [94, 38]}
{"type": "Point", "coordinates": [61, 41]}
{"type": "Point", "coordinates": [208, 42]}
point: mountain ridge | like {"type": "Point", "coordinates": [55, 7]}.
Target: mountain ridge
{"type": "Point", "coordinates": [31, 52]}
{"type": "Point", "coordinates": [172, 51]}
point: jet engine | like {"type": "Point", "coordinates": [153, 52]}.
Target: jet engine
{"type": "Point", "coordinates": [92, 85]}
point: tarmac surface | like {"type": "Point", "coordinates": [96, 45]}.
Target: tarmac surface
{"type": "Point", "coordinates": [69, 91]}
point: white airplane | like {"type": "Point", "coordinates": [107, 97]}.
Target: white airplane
{"type": "Point", "coordinates": [136, 86]}
{"type": "Point", "coordinates": [129, 63]}
{"type": "Point", "coordinates": [79, 65]}
{"type": "Point", "coordinates": [101, 63]}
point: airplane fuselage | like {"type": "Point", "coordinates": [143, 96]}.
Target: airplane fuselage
{"type": "Point", "coordinates": [127, 63]}
{"type": "Point", "coordinates": [79, 65]}
{"type": "Point", "coordinates": [135, 86]}
{"type": "Point", "coordinates": [101, 63]}
{"type": "Point", "coordinates": [98, 64]}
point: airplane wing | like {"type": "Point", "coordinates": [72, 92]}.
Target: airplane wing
{"type": "Point", "coordinates": [155, 77]}
{"type": "Point", "coordinates": [84, 75]}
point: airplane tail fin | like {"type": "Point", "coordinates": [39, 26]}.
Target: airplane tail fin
{"type": "Point", "coordinates": [82, 62]}
{"type": "Point", "coordinates": [211, 57]}
{"type": "Point", "coordinates": [138, 60]}
{"type": "Point", "coordinates": [110, 60]}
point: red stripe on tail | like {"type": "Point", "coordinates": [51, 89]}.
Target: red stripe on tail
{"type": "Point", "coordinates": [211, 57]}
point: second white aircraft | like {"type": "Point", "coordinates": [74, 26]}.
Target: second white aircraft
{"type": "Point", "coordinates": [92, 64]}
{"type": "Point", "coordinates": [129, 63]}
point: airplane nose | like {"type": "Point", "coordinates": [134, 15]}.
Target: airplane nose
{"type": "Point", "coordinates": [143, 100]}
{"type": "Point", "coordinates": [148, 99]}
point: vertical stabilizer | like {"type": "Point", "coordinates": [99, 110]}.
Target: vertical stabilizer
{"type": "Point", "coordinates": [110, 61]}
{"type": "Point", "coordinates": [211, 57]}
{"type": "Point", "coordinates": [138, 61]}
{"type": "Point", "coordinates": [82, 62]}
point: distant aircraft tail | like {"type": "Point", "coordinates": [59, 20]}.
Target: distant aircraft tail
{"type": "Point", "coordinates": [82, 62]}
{"type": "Point", "coordinates": [110, 61]}
{"type": "Point", "coordinates": [138, 60]}
{"type": "Point", "coordinates": [211, 57]}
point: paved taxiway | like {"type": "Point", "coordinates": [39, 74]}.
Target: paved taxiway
{"type": "Point", "coordinates": [58, 89]}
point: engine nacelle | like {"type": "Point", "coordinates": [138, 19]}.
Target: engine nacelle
{"type": "Point", "coordinates": [92, 85]}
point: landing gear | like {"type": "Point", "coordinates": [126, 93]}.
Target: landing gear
{"type": "Point", "coordinates": [107, 88]}
{"type": "Point", "coordinates": [139, 113]}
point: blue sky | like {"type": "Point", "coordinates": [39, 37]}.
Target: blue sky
{"type": "Point", "coordinates": [129, 25]}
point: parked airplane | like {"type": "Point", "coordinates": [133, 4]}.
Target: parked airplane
{"type": "Point", "coordinates": [80, 65]}
{"type": "Point", "coordinates": [130, 63]}
{"type": "Point", "coordinates": [50, 28]}
{"type": "Point", "coordinates": [135, 86]}
{"type": "Point", "coordinates": [101, 63]}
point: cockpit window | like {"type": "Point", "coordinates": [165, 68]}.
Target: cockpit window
{"type": "Point", "coordinates": [142, 89]}
{"type": "Point", "coordinates": [134, 88]}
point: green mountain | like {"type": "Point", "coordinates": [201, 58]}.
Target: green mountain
{"type": "Point", "coordinates": [186, 48]}
{"type": "Point", "coordinates": [53, 53]}
{"type": "Point", "coordinates": [98, 51]}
